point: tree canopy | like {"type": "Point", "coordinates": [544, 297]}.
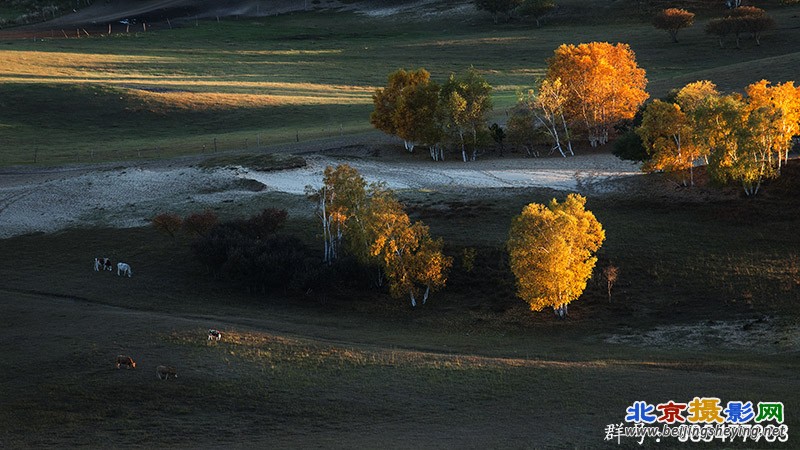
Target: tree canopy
{"type": "Point", "coordinates": [673, 20]}
{"type": "Point", "coordinates": [551, 249]}
{"type": "Point", "coordinates": [467, 101]}
{"type": "Point", "coordinates": [372, 225]}
{"type": "Point", "coordinates": [604, 86]}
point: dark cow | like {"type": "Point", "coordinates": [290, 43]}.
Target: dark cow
{"type": "Point", "coordinates": [126, 361]}
{"type": "Point", "coordinates": [166, 372]}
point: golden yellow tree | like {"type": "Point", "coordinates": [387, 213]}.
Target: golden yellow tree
{"type": "Point", "coordinates": [551, 251]}
{"type": "Point", "coordinates": [604, 85]}
{"type": "Point", "coordinates": [668, 137]}
{"type": "Point", "coordinates": [781, 103]}
{"type": "Point", "coordinates": [406, 251]}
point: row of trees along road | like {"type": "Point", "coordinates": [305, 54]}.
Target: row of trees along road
{"type": "Point", "coordinates": [741, 139]}
{"type": "Point", "coordinates": [422, 112]}
{"type": "Point", "coordinates": [589, 88]}
{"type": "Point", "coordinates": [370, 224]}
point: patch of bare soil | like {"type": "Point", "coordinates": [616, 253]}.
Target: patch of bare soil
{"type": "Point", "coordinates": [129, 196]}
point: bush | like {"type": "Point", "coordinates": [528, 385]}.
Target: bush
{"type": "Point", "coordinates": [200, 224]}
{"type": "Point", "coordinates": [167, 223]}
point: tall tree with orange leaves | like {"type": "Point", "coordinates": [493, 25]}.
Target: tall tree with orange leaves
{"type": "Point", "coordinates": [604, 86]}
{"type": "Point", "coordinates": [780, 102]}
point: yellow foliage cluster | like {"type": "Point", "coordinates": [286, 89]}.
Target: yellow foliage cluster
{"type": "Point", "coordinates": [742, 139]}
{"type": "Point", "coordinates": [551, 249]}
{"type": "Point", "coordinates": [376, 230]}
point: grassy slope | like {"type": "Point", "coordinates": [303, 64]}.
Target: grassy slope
{"type": "Point", "coordinates": [362, 369]}
{"type": "Point", "coordinates": [302, 76]}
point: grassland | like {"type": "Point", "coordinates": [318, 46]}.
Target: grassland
{"type": "Point", "coordinates": [248, 83]}
{"type": "Point", "coordinates": [352, 367]}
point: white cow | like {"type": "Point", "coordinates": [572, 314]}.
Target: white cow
{"type": "Point", "coordinates": [124, 268]}
{"type": "Point", "coordinates": [214, 335]}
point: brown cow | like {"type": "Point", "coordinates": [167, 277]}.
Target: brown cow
{"type": "Point", "coordinates": [126, 361]}
{"type": "Point", "coordinates": [165, 372]}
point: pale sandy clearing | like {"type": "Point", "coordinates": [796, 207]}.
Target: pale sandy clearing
{"type": "Point", "coordinates": [37, 201]}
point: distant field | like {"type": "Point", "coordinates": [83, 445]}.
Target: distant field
{"type": "Point", "coordinates": [255, 82]}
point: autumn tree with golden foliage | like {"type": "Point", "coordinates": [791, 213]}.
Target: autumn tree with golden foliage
{"type": "Point", "coordinates": [604, 86]}
{"type": "Point", "coordinates": [673, 20]}
{"type": "Point", "coordinates": [782, 103]}
{"type": "Point", "coordinates": [409, 256]}
{"type": "Point", "coordinates": [406, 106]}
{"type": "Point", "coordinates": [551, 251]}
{"type": "Point", "coordinates": [668, 137]}
{"type": "Point", "coordinates": [372, 225]}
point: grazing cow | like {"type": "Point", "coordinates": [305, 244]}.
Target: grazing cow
{"type": "Point", "coordinates": [109, 266]}
{"type": "Point", "coordinates": [165, 372]}
{"type": "Point", "coordinates": [214, 335]}
{"type": "Point", "coordinates": [124, 268]}
{"type": "Point", "coordinates": [126, 361]}
{"type": "Point", "coordinates": [102, 264]}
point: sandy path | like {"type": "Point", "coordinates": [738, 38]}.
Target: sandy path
{"type": "Point", "coordinates": [49, 201]}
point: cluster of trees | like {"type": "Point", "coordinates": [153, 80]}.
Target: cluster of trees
{"type": "Point", "coordinates": [739, 21]}
{"type": "Point", "coordinates": [588, 89]}
{"type": "Point", "coordinates": [551, 249]}
{"type": "Point", "coordinates": [525, 8]}
{"type": "Point", "coordinates": [422, 112]}
{"type": "Point", "coordinates": [367, 222]}
{"type": "Point", "coordinates": [742, 139]}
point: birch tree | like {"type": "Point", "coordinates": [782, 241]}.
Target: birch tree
{"type": "Point", "coordinates": [396, 105]}
{"type": "Point", "coordinates": [602, 83]}
{"type": "Point", "coordinates": [409, 256]}
{"type": "Point", "coordinates": [339, 201]}
{"type": "Point", "coordinates": [668, 137]}
{"type": "Point", "coordinates": [551, 249]}
{"type": "Point", "coordinates": [782, 102]}
{"type": "Point", "coordinates": [546, 108]}
{"type": "Point", "coordinates": [466, 103]}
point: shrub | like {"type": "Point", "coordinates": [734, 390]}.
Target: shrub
{"type": "Point", "coordinates": [167, 223]}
